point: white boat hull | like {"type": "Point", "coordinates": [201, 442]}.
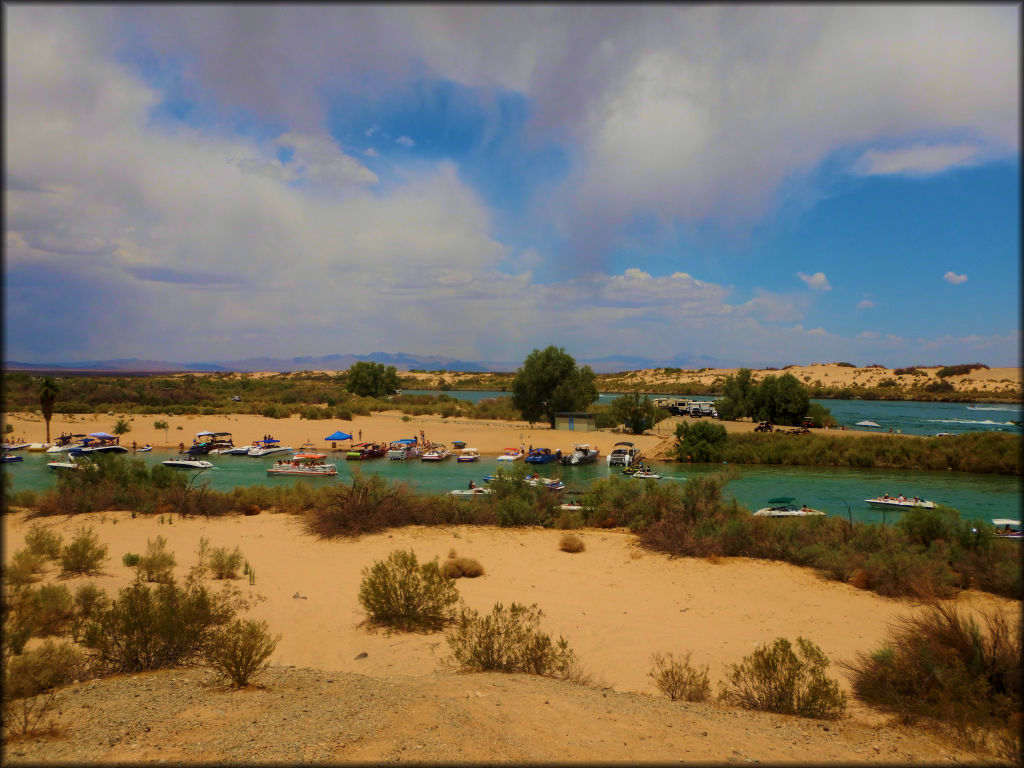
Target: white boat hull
{"type": "Point", "coordinates": [187, 463]}
{"type": "Point", "coordinates": [894, 504]}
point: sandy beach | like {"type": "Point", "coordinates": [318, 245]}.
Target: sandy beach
{"type": "Point", "coordinates": [615, 603]}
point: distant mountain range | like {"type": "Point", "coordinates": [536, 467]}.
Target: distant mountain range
{"type": "Point", "coordinates": [402, 362]}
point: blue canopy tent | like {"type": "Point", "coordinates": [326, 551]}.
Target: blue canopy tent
{"type": "Point", "coordinates": [339, 435]}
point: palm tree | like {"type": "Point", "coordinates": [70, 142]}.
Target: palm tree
{"type": "Point", "coordinates": [48, 392]}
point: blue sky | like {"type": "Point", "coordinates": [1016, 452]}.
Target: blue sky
{"type": "Point", "coordinates": [761, 185]}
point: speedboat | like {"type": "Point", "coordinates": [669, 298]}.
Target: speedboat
{"type": "Point", "coordinates": [1007, 529]}
{"type": "Point", "coordinates": [69, 464]}
{"type": "Point", "coordinates": [188, 463]}
{"type": "Point", "coordinates": [221, 443]}
{"type": "Point", "coordinates": [467, 455]}
{"type": "Point", "coordinates": [470, 492]}
{"type": "Point", "coordinates": [144, 449]}
{"type": "Point", "coordinates": [543, 456]}
{"type": "Point", "coordinates": [99, 442]}
{"type": "Point", "coordinates": [18, 446]}
{"type": "Point", "coordinates": [581, 454]}
{"type": "Point", "coordinates": [37, 447]}
{"type": "Point", "coordinates": [10, 458]}
{"type": "Point", "coordinates": [899, 502]}
{"type": "Point", "coordinates": [268, 446]}
{"type": "Point", "coordinates": [623, 454]}
{"type": "Point", "coordinates": [304, 464]}
{"type": "Point", "coordinates": [65, 443]}
{"type": "Point", "coordinates": [435, 452]}
{"type": "Point", "coordinates": [645, 474]}
{"type": "Point", "coordinates": [511, 454]}
{"type": "Point", "coordinates": [785, 506]}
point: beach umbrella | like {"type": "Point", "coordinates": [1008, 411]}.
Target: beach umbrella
{"type": "Point", "coordinates": [339, 435]}
{"type": "Point", "coordinates": [867, 424]}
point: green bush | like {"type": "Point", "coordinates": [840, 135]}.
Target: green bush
{"type": "Point", "coordinates": [24, 569]}
{"type": "Point", "coordinates": [774, 679]}
{"type": "Point", "coordinates": [508, 640]}
{"type": "Point", "coordinates": [155, 627]}
{"type": "Point", "coordinates": [42, 611]}
{"type": "Point", "coordinates": [84, 555]}
{"type": "Point", "coordinates": [42, 541]}
{"type": "Point", "coordinates": [402, 594]}
{"type": "Point", "coordinates": [131, 559]}
{"type": "Point", "coordinates": [240, 650]}
{"type": "Point", "coordinates": [30, 681]}
{"type": "Point", "coordinates": [678, 679]}
{"type": "Point", "coordinates": [157, 564]}
{"type": "Point", "coordinates": [224, 564]}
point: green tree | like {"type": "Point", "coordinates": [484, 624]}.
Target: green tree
{"type": "Point", "coordinates": [368, 379]}
{"type": "Point", "coordinates": [791, 400]}
{"type": "Point", "coordinates": [122, 427]}
{"type": "Point", "coordinates": [701, 441]}
{"type": "Point", "coordinates": [550, 382]}
{"type": "Point", "coordinates": [737, 395]}
{"type": "Point", "coordinates": [48, 392]}
{"type": "Point", "coordinates": [164, 426]}
{"type": "Point", "coordinates": [636, 412]}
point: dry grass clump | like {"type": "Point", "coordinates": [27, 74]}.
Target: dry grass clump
{"type": "Point", "coordinates": [570, 542]}
{"type": "Point", "coordinates": [456, 567]}
{"type": "Point", "coordinates": [678, 679]}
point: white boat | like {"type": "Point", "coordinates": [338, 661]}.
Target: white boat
{"type": "Point", "coordinates": [305, 465]}
{"type": "Point", "coordinates": [435, 452]}
{"type": "Point", "coordinates": [144, 449]}
{"type": "Point", "coordinates": [468, 454]}
{"type": "Point", "coordinates": [221, 443]}
{"type": "Point", "coordinates": [785, 506]}
{"type": "Point", "coordinates": [582, 453]}
{"type": "Point", "coordinates": [18, 446]}
{"type": "Point", "coordinates": [1007, 529]}
{"type": "Point", "coordinates": [37, 447]}
{"type": "Point", "coordinates": [238, 450]}
{"type": "Point", "coordinates": [552, 484]}
{"type": "Point", "coordinates": [470, 492]}
{"type": "Point", "coordinates": [511, 454]}
{"type": "Point", "coordinates": [623, 454]}
{"type": "Point", "coordinates": [188, 463]}
{"type": "Point", "coordinates": [10, 458]}
{"type": "Point", "coordinates": [267, 447]}
{"type": "Point", "coordinates": [899, 502]}
{"type": "Point", "coordinates": [67, 464]}
{"type": "Point", "coordinates": [646, 475]}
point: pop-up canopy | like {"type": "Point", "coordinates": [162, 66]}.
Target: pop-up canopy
{"type": "Point", "coordinates": [102, 436]}
{"type": "Point", "coordinates": [339, 435]}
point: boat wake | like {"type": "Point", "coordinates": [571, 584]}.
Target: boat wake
{"type": "Point", "coordinates": [985, 422]}
{"type": "Point", "coordinates": [994, 407]}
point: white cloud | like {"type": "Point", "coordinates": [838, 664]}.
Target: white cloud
{"type": "Point", "coordinates": [954, 279]}
{"type": "Point", "coordinates": [817, 281]}
{"type": "Point", "coordinates": [918, 159]}
{"type": "Point", "coordinates": [865, 304]}
{"type": "Point", "coordinates": [405, 141]}
{"type": "Point", "coordinates": [371, 152]}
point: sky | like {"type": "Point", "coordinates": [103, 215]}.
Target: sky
{"type": "Point", "coordinates": [751, 184]}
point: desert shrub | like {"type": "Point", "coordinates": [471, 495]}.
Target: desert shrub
{"type": "Point", "coordinates": [131, 559]}
{"type": "Point", "coordinates": [457, 567]}
{"type": "Point", "coordinates": [941, 664]}
{"type": "Point", "coordinates": [907, 573]}
{"type": "Point", "coordinates": [402, 594]}
{"type": "Point", "coordinates": [44, 542]}
{"type": "Point", "coordinates": [224, 564]}
{"type": "Point", "coordinates": [31, 680]}
{"type": "Point", "coordinates": [155, 627]}
{"type": "Point", "coordinates": [959, 370]}
{"type": "Point", "coordinates": [240, 650]}
{"type": "Point", "coordinates": [84, 555]}
{"type": "Point", "coordinates": [678, 679]}
{"type": "Point", "coordinates": [774, 679]}
{"type": "Point", "coordinates": [24, 568]}
{"type": "Point", "coordinates": [365, 505]}
{"type": "Point", "coordinates": [48, 609]}
{"type": "Point", "coordinates": [508, 640]}
{"type": "Point", "coordinates": [570, 542]}
{"type": "Point", "coordinates": [90, 600]}
{"type": "Point", "coordinates": [157, 564]}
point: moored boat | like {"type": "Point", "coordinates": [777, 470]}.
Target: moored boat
{"type": "Point", "coordinates": [435, 452]}
{"type": "Point", "coordinates": [470, 492]}
{"type": "Point", "coordinates": [305, 465]}
{"type": "Point", "coordinates": [468, 455]}
{"type": "Point", "coordinates": [543, 456]}
{"type": "Point", "coordinates": [582, 453]}
{"type": "Point", "coordinates": [268, 446]}
{"type": "Point", "coordinates": [623, 454]}
{"type": "Point", "coordinates": [400, 450]}
{"type": "Point", "coordinates": [551, 484]}
{"type": "Point", "coordinates": [10, 458]}
{"type": "Point", "coordinates": [65, 443]}
{"type": "Point", "coordinates": [899, 502]}
{"type": "Point", "coordinates": [511, 454]}
{"type": "Point", "coordinates": [99, 442]}
{"type": "Point", "coordinates": [221, 443]}
{"type": "Point", "coordinates": [785, 506]}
